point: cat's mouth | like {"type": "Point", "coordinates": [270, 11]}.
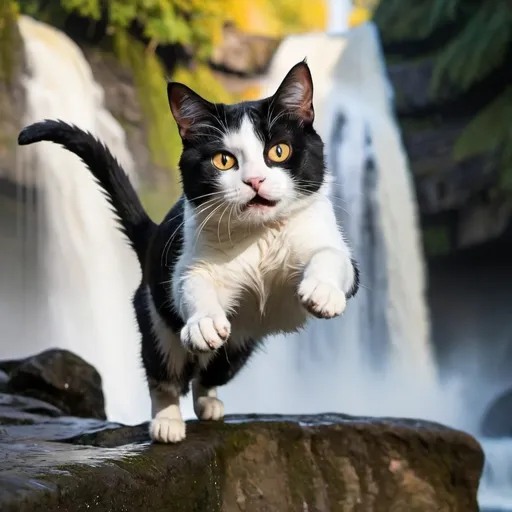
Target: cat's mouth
{"type": "Point", "coordinates": [257, 202]}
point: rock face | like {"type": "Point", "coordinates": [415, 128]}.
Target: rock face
{"type": "Point", "coordinates": [323, 463]}
{"type": "Point", "coordinates": [245, 54]}
{"type": "Point", "coordinates": [60, 378]}
{"type": "Point", "coordinates": [461, 202]}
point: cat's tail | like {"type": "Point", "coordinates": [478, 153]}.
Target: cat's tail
{"type": "Point", "coordinates": [133, 219]}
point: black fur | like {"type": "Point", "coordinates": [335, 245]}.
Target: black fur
{"type": "Point", "coordinates": [159, 247]}
{"type": "Point", "coordinates": [134, 221]}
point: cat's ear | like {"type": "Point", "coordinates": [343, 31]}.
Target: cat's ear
{"type": "Point", "coordinates": [295, 93]}
{"type": "Point", "coordinates": [187, 107]}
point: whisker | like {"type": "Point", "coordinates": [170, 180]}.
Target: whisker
{"type": "Point", "coordinates": [167, 246]}
{"type": "Point", "coordinates": [203, 224]}
{"type": "Point", "coordinates": [218, 224]}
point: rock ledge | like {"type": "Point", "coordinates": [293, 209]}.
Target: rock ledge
{"type": "Point", "coordinates": [249, 463]}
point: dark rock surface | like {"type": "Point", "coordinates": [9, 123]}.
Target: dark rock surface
{"type": "Point", "coordinates": [328, 462]}
{"type": "Point", "coordinates": [50, 460]}
{"type": "Point", "coordinates": [497, 420]}
{"type": "Point", "coordinates": [60, 378]}
{"type": "Point", "coordinates": [462, 198]}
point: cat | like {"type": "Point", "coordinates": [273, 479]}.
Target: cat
{"type": "Point", "coordinates": [251, 249]}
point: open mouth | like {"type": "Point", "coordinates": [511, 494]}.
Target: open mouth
{"type": "Point", "coordinates": [257, 200]}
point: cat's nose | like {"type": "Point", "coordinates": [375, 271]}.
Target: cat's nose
{"type": "Point", "coordinates": [254, 183]}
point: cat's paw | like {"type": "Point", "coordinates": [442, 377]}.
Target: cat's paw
{"type": "Point", "coordinates": [321, 299]}
{"type": "Point", "coordinates": [209, 408]}
{"type": "Point", "coordinates": [167, 430]}
{"type": "Point", "coordinates": [205, 333]}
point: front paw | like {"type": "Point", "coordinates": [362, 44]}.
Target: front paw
{"type": "Point", "coordinates": [204, 333]}
{"type": "Point", "coordinates": [321, 299]}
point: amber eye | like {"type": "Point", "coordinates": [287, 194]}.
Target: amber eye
{"type": "Point", "coordinates": [279, 152]}
{"type": "Point", "coordinates": [223, 161]}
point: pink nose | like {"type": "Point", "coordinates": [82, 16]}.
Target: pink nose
{"type": "Point", "coordinates": [255, 183]}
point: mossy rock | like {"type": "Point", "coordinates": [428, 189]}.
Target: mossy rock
{"type": "Point", "coordinates": [252, 464]}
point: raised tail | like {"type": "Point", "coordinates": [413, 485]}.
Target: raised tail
{"type": "Point", "coordinates": [133, 219]}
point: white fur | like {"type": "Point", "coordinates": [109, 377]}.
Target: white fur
{"type": "Point", "coordinates": [265, 270]}
{"type": "Point", "coordinates": [167, 425]}
{"type": "Point", "coordinates": [245, 145]}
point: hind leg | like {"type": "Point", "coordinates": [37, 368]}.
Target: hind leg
{"type": "Point", "coordinates": [167, 425]}
{"type": "Point", "coordinates": [224, 365]}
{"type": "Point", "coordinates": [169, 370]}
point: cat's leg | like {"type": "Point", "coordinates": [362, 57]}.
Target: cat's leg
{"type": "Point", "coordinates": [169, 370]}
{"type": "Point", "coordinates": [170, 381]}
{"type": "Point", "coordinates": [224, 365]}
{"type": "Point", "coordinates": [167, 425]}
{"type": "Point", "coordinates": [330, 274]}
{"type": "Point", "coordinates": [206, 404]}
{"type": "Point", "coordinates": [201, 303]}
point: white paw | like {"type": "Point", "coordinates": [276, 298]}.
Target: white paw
{"type": "Point", "coordinates": [321, 299]}
{"type": "Point", "coordinates": [205, 333]}
{"type": "Point", "coordinates": [209, 408]}
{"type": "Point", "coordinates": [167, 430]}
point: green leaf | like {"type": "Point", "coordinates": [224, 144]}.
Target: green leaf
{"type": "Point", "coordinates": [405, 19]}
{"type": "Point", "coordinates": [479, 49]}
{"type": "Point", "coordinates": [488, 129]}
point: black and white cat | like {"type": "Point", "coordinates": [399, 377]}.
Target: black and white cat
{"type": "Point", "coordinates": [249, 250]}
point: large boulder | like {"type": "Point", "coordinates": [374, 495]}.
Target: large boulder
{"type": "Point", "coordinates": [60, 378]}
{"type": "Point", "coordinates": [497, 420]}
{"type": "Point", "coordinates": [251, 464]}
{"type": "Point", "coordinates": [50, 460]}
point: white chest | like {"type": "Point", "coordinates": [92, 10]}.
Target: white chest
{"type": "Point", "coordinates": [266, 276]}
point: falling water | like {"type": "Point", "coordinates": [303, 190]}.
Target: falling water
{"type": "Point", "coordinates": [377, 359]}
{"type": "Point", "coordinates": [358, 363]}
{"type": "Point", "coordinates": [84, 273]}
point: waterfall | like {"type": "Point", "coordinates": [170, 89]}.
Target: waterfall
{"type": "Point", "coordinates": [377, 359]}
{"type": "Point", "coordinates": [74, 291]}
{"type": "Point", "coordinates": [360, 362]}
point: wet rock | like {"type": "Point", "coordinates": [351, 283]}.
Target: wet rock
{"type": "Point", "coordinates": [249, 463]}
{"type": "Point", "coordinates": [497, 421]}
{"type": "Point", "coordinates": [62, 379]}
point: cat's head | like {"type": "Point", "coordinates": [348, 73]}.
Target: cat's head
{"type": "Point", "coordinates": [259, 159]}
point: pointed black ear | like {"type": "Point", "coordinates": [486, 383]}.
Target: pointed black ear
{"type": "Point", "coordinates": [187, 107]}
{"type": "Point", "coordinates": [295, 93]}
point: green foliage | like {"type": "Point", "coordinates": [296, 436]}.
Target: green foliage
{"type": "Point", "coordinates": [478, 46]}
{"type": "Point", "coordinates": [401, 20]}
{"type": "Point", "coordinates": [491, 125]}
{"type": "Point", "coordinates": [8, 40]}
{"type": "Point", "coordinates": [151, 87]}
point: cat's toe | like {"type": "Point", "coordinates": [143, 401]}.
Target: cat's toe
{"type": "Point", "coordinates": [209, 408]}
{"type": "Point", "coordinates": [322, 300]}
{"type": "Point", "coordinates": [167, 430]}
{"type": "Point", "coordinates": [205, 333]}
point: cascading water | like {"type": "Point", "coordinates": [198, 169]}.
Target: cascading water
{"type": "Point", "coordinates": [84, 274]}
{"type": "Point", "coordinates": [377, 359]}
{"type": "Point", "coordinates": [358, 363]}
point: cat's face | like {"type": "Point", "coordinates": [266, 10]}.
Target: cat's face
{"type": "Point", "coordinates": [254, 160]}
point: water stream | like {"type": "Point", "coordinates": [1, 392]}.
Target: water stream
{"type": "Point", "coordinates": [84, 272]}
